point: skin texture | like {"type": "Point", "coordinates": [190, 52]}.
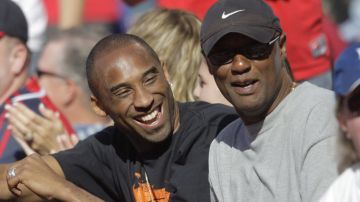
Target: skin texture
{"type": "Point", "coordinates": [270, 82]}
{"type": "Point", "coordinates": [135, 85]}
{"type": "Point", "coordinates": [47, 131]}
{"type": "Point", "coordinates": [55, 86]}
{"type": "Point", "coordinates": [13, 66]}
{"type": "Point", "coordinates": [206, 88]}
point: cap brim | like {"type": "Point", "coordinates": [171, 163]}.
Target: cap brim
{"type": "Point", "coordinates": [258, 33]}
{"type": "Point", "coordinates": [355, 88]}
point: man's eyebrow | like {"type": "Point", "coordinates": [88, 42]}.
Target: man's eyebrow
{"type": "Point", "coordinates": [152, 70]}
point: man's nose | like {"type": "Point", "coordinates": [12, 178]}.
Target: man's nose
{"type": "Point", "coordinates": [240, 64]}
{"type": "Point", "coordinates": [143, 99]}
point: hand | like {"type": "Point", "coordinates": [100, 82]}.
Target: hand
{"type": "Point", "coordinates": [42, 176]}
{"type": "Point", "coordinates": [34, 174]}
{"type": "Point", "coordinates": [40, 132]}
{"type": "Point", "coordinates": [67, 142]}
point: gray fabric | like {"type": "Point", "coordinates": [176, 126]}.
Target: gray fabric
{"type": "Point", "coordinates": [290, 156]}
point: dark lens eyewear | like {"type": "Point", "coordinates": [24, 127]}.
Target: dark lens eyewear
{"type": "Point", "coordinates": [258, 51]}
{"type": "Point", "coordinates": [41, 73]}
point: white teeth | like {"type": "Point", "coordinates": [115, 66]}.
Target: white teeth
{"type": "Point", "coordinates": [246, 84]}
{"type": "Point", "coordinates": [150, 116]}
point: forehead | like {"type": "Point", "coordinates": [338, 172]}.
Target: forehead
{"type": "Point", "coordinates": [122, 64]}
{"type": "Point", "coordinates": [50, 56]}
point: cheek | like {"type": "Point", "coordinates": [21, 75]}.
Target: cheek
{"type": "Point", "coordinates": [353, 130]}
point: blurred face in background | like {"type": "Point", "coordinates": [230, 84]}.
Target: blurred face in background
{"type": "Point", "coordinates": [5, 76]}
{"type": "Point", "coordinates": [349, 118]}
{"type": "Point", "coordinates": [206, 88]}
{"type": "Point", "coordinates": [13, 61]}
{"type": "Point", "coordinates": [50, 78]}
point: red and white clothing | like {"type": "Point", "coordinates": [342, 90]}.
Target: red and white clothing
{"type": "Point", "coordinates": [31, 95]}
{"type": "Point", "coordinates": [307, 43]}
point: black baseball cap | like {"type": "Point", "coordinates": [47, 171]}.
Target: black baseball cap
{"type": "Point", "coordinates": [252, 18]}
{"type": "Point", "coordinates": [12, 21]}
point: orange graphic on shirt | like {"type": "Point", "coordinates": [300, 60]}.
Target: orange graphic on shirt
{"type": "Point", "coordinates": [143, 194]}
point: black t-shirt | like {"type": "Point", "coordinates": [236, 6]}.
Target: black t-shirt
{"type": "Point", "coordinates": [107, 165]}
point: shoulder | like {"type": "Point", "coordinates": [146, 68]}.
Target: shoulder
{"type": "Point", "coordinates": [97, 143]}
{"type": "Point", "coordinates": [229, 133]}
{"type": "Point", "coordinates": [208, 113]}
{"type": "Point", "coordinates": [313, 95]}
{"type": "Point", "coordinates": [311, 105]}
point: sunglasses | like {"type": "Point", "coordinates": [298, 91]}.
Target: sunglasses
{"type": "Point", "coordinates": [257, 51]}
{"type": "Point", "coordinates": [41, 73]}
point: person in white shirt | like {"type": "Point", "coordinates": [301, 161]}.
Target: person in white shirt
{"type": "Point", "coordinates": [347, 87]}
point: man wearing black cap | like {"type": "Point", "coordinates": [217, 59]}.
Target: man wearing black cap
{"type": "Point", "coordinates": [15, 84]}
{"type": "Point", "coordinates": [283, 150]}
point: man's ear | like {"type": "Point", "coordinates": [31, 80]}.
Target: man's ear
{"type": "Point", "coordinates": [282, 44]}
{"type": "Point", "coordinates": [97, 107]}
{"type": "Point", "coordinates": [341, 117]}
{"type": "Point", "coordinates": [18, 56]}
{"type": "Point", "coordinates": [166, 72]}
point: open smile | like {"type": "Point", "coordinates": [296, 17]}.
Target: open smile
{"type": "Point", "coordinates": [247, 87]}
{"type": "Point", "coordinates": [151, 120]}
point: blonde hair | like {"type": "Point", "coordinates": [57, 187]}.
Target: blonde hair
{"type": "Point", "coordinates": [175, 37]}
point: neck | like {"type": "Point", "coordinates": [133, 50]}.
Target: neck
{"type": "Point", "coordinates": [284, 89]}
{"type": "Point", "coordinates": [154, 150]}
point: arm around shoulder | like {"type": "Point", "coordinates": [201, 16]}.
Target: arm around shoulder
{"type": "Point", "coordinates": [36, 178]}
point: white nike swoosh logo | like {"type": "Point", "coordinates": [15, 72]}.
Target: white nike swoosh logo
{"type": "Point", "coordinates": [224, 15]}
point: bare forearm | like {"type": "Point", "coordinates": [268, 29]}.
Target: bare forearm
{"type": "Point", "coordinates": [74, 193]}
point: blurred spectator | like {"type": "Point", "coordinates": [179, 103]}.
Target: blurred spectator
{"type": "Point", "coordinates": [307, 44]}
{"type": "Point", "coordinates": [61, 71]}
{"type": "Point", "coordinates": [66, 14]}
{"type": "Point", "coordinates": [206, 88]}
{"type": "Point", "coordinates": [336, 43]}
{"type": "Point", "coordinates": [36, 17]}
{"type": "Point", "coordinates": [347, 87]}
{"type": "Point", "coordinates": [174, 35]}
{"type": "Point", "coordinates": [350, 29]}
{"type": "Point", "coordinates": [15, 85]}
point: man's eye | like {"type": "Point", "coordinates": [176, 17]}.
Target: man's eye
{"type": "Point", "coordinates": [150, 80]}
{"type": "Point", "coordinates": [123, 93]}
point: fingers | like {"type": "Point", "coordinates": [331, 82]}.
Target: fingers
{"type": "Point", "coordinates": [66, 142]}
{"type": "Point", "coordinates": [55, 123]}
{"type": "Point", "coordinates": [26, 121]}
{"type": "Point", "coordinates": [47, 113]}
{"type": "Point", "coordinates": [13, 181]}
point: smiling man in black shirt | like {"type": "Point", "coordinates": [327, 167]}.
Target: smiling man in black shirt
{"type": "Point", "coordinates": [157, 149]}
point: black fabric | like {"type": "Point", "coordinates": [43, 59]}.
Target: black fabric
{"type": "Point", "coordinates": [12, 20]}
{"type": "Point", "coordinates": [105, 163]}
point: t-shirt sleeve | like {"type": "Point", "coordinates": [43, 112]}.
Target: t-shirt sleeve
{"type": "Point", "coordinates": [83, 166]}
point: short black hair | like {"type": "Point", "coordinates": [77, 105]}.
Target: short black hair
{"type": "Point", "coordinates": [109, 43]}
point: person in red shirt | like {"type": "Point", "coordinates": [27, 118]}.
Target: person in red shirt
{"type": "Point", "coordinates": [308, 45]}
